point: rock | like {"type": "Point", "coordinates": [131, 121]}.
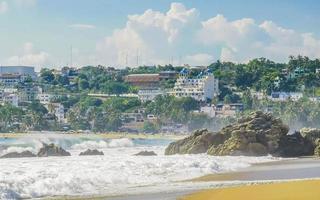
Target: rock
{"type": "Point", "coordinates": [146, 153]}
{"type": "Point", "coordinates": [295, 145]}
{"type": "Point", "coordinates": [198, 142]}
{"type": "Point", "coordinates": [317, 148]}
{"type": "Point", "coordinates": [90, 152]}
{"type": "Point", "coordinates": [24, 154]}
{"type": "Point", "coordinates": [52, 150]}
{"type": "Point", "coordinates": [312, 134]}
{"type": "Point", "coordinates": [255, 135]}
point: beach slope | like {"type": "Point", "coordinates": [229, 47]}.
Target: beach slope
{"type": "Point", "coordinates": [295, 190]}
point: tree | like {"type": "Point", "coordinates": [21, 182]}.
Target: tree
{"type": "Point", "coordinates": [83, 84]}
{"type": "Point", "coordinates": [46, 75]}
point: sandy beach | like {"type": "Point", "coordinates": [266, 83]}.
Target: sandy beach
{"type": "Point", "coordinates": [295, 190]}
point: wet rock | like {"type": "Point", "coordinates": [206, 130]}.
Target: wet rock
{"type": "Point", "coordinates": [52, 150]}
{"type": "Point", "coordinates": [295, 145]}
{"type": "Point", "coordinates": [198, 142]}
{"type": "Point", "coordinates": [317, 148]}
{"type": "Point", "coordinates": [90, 152]}
{"type": "Point", "coordinates": [24, 154]}
{"type": "Point", "coordinates": [146, 153]}
{"type": "Point", "coordinates": [257, 134]}
{"type": "Point", "coordinates": [311, 134]}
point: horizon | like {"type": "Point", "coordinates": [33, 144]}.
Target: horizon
{"type": "Point", "coordinates": [110, 33]}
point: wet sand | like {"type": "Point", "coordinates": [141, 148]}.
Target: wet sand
{"type": "Point", "coordinates": [301, 168]}
{"type": "Point", "coordinates": [294, 190]}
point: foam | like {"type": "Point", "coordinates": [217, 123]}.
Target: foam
{"type": "Point", "coordinates": [101, 144]}
{"type": "Point", "coordinates": [112, 173]}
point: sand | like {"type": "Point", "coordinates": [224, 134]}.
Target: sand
{"type": "Point", "coordinates": [295, 190]}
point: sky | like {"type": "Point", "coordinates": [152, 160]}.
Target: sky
{"type": "Point", "coordinates": [119, 33]}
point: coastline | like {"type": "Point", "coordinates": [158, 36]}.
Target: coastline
{"type": "Point", "coordinates": [111, 135]}
{"type": "Point", "coordinates": [264, 176]}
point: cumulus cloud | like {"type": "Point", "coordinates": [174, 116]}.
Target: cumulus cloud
{"type": "Point", "coordinates": [149, 38]}
{"type": "Point", "coordinates": [245, 39]}
{"type": "Point", "coordinates": [30, 56]}
{"type": "Point", "coordinates": [82, 26]}
{"type": "Point", "coordinates": [3, 7]}
{"type": "Point", "coordinates": [154, 37]}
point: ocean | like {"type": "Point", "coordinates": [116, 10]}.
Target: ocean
{"type": "Point", "coordinates": [117, 172]}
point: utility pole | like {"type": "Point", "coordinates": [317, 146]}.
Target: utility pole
{"type": "Point", "coordinates": [71, 57]}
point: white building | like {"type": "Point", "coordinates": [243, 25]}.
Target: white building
{"type": "Point", "coordinates": [44, 98]}
{"type": "Point", "coordinates": [285, 96]}
{"type": "Point", "coordinates": [58, 110]}
{"type": "Point", "coordinates": [149, 94]}
{"type": "Point", "coordinates": [12, 99]}
{"type": "Point", "coordinates": [201, 88]}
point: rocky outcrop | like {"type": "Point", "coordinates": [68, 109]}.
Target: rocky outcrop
{"type": "Point", "coordinates": [52, 150]}
{"type": "Point", "coordinates": [294, 145]}
{"type": "Point", "coordinates": [199, 142]}
{"type": "Point", "coordinates": [146, 153]}
{"type": "Point", "coordinates": [255, 135]}
{"type": "Point", "coordinates": [24, 154]}
{"type": "Point", "coordinates": [90, 152]}
{"type": "Point", "coordinates": [317, 148]}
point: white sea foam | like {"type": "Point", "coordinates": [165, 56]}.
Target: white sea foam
{"type": "Point", "coordinates": [112, 173]}
{"type": "Point", "coordinates": [101, 144]}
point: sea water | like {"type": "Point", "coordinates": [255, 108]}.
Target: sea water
{"type": "Point", "coordinates": [116, 172]}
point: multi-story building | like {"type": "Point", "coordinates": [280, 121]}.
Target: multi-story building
{"type": "Point", "coordinates": [222, 110]}
{"type": "Point", "coordinates": [9, 95]}
{"type": "Point", "coordinates": [167, 75]}
{"type": "Point", "coordinates": [201, 88]}
{"type": "Point", "coordinates": [143, 80]}
{"type": "Point", "coordinates": [24, 71]}
{"type": "Point", "coordinates": [10, 80]}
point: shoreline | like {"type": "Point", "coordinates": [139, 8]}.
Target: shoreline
{"type": "Point", "coordinates": [261, 175]}
{"type": "Point", "coordinates": [111, 135]}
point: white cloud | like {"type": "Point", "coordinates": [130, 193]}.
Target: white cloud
{"type": "Point", "coordinates": [244, 39]}
{"type": "Point", "coordinates": [199, 59]}
{"type": "Point", "coordinates": [30, 56]}
{"type": "Point", "coordinates": [3, 7]}
{"type": "Point", "coordinates": [82, 26]}
{"type": "Point", "coordinates": [155, 37]}
{"type": "Point", "coordinates": [152, 37]}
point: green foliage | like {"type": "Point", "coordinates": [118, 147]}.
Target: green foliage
{"type": "Point", "coordinates": [171, 108]}
{"type": "Point", "coordinates": [46, 75]}
{"type": "Point", "coordinates": [149, 127]}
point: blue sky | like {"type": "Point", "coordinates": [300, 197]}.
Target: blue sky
{"type": "Point", "coordinates": [41, 32]}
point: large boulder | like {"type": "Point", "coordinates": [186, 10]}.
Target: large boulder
{"type": "Point", "coordinates": [90, 152]}
{"type": "Point", "coordinates": [294, 145]}
{"type": "Point", "coordinates": [24, 154]}
{"type": "Point", "coordinates": [311, 134]}
{"type": "Point", "coordinates": [317, 148]}
{"type": "Point", "coordinates": [198, 142]}
{"type": "Point", "coordinates": [146, 153]}
{"type": "Point", "coordinates": [52, 150]}
{"type": "Point", "coordinates": [255, 135]}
